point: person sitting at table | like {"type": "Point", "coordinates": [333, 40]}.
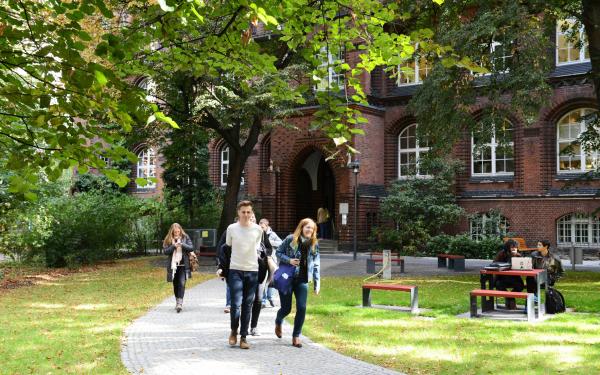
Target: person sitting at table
{"type": "Point", "coordinates": [509, 250]}
{"type": "Point", "coordinates": [544, 259]}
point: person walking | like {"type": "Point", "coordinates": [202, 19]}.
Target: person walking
{"type": "Point", "coordinates": [178, 246]}
{"type": "Point", "coordinates": [275, 241]}
{"type": "Point", "coordinates": [243, 237]}
{"type": "Point", "coordinates": [263, 252]}
{"type": "Point", "coordinates": [300, 249]}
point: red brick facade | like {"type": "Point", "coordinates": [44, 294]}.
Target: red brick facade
{"type": "Point", "coordinates": [531, 199]}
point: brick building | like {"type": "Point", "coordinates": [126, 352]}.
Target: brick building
{"type": "Point", "coordinates": [533, 185]}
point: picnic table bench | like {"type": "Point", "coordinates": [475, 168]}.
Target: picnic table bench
{"type": "Point", "coordinates": [502, 294]}
{"type": "Point", "coordinates": [455, 262]}
{"type": "Point", "coordinates": [412, 289]}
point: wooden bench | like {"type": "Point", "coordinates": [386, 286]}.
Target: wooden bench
{"type": "Point", "coordinates": [414, 295]}
{"type": "Point", "coordinates": [207, 254]}
{"type": "Point", "coordinates": [502, 294]}
{"type": "Point", "coordinates": [522, 244]}
{"type": "Point", "coordinates": [378, 258]}
{"type": "Point", "coordinates": [455, 262]}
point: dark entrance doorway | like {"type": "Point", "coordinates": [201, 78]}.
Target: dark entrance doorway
{"type": "Point", "coordinates": [315, 188]}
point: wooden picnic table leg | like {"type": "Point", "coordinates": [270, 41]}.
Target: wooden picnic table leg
{"type": "Point", "coordinates": [366, 297]}
{"type": "Point", "coordinates": [487, 303]}
{"type": "Point", "coordinates": [473, 308]}
{"type": "Point", "coordinates": [401, 265]}
{"type": "Point", "coordinates": [441, 262]}
{"type": "Point", "coordinates": [414, 300]}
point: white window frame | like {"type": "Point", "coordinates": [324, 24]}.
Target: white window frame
{"type": "Point", "coordinates": [476, 230]}
{"type": "Point", "coordinates": [332, 75]}
{"type": "Point", "coordinates": [415, 74]}
{"type": "Point", "coordinates": [146, 167]}
{"type": "Point", "coordinates": [570, 46]}
{"type": "Point", "coordinates": [148, 85]}
{"type": "Point", "coordinates": [417, 150]}
{"type": "Point", "coordinates": [493, 59]}
{"type": "Point", "coordinates": [567, 226]}
{"type": "Point", "coordinates": [583, 155]}
{"type": "Point", "coordinates": [493, 145]}
{"type": "Point", "coordinates": [225, 167]}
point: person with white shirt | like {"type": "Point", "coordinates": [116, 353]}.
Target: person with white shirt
{"type": "Point", "coordinates": [243, 237]}
{"type": "Point", "coordinates": [275, 242]}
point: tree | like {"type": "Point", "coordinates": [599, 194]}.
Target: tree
{"type": "Point", "coordinates": [420, 207]}
{"type": "Point", "coordinates": [60, 107]}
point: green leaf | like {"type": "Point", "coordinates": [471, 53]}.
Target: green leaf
{"type": "Point", "coordinates": [438, 2]}
{"type": "Point", "coordinates": [164, 6]}
{"type": "Point", "coordinates": [166, 119]}
{"type": "Point", "coordinates": [30, 196]}
{"type": "Point", "coordinates": [100, 78]}
{"type": "Point", "coordinates": [339, 141]}
{"type": "Point", "coordinates": [141, 181]}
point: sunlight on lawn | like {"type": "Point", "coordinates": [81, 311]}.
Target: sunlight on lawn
{"type": "Point", "coordinates": [47, 305]}
{"type": "Point", "coordinates": [96, 306]}
{"type": "Point", "coordinates": [412, 351]}
{"type": "Point", "coordinates": [560, 353]}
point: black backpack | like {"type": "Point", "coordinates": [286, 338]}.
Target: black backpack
{"type": "Point", "coordinates": [555, 302]}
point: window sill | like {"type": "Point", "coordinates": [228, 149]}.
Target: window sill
{"type": "Point", "coordinates": [491, 179]}
{"type": "Point", "coordinates": [566, 176]}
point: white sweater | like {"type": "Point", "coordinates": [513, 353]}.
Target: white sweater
{"type": "Point", "coordinates": [243, 242]}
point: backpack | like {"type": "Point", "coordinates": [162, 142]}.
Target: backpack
{"type": "Point", "coordinates": [555, 302]}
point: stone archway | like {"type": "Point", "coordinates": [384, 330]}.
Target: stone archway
{"type": "Point", "coordinates": [314, 187]}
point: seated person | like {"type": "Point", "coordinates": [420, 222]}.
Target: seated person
{"type": "Point", "coordinates": [504, 282]}
{"type": "Point", "coordinates": [544, 259]}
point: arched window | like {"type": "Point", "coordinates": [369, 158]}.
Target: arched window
{"type": "Point", "coordinates": [146, 167]}
{"type": "Point", "coordinates": [578, 229]}
{"type": "Point", "coordinates": [487, 224]}
{"type": "Point", "coordinates": [492, 152]}
{"type": "Point", "coordinates": [225, 157]}
{"type": "Point", "coordinates": [571, 157]}
{"type": "Point", "coordinates": [410, 152]}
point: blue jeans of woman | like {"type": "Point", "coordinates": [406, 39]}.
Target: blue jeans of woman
{"type": "Point", "coordinates": [300, 290]}
{"type": "Point", "coordinates": [242, 285]}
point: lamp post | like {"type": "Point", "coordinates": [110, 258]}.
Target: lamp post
{"type": "Point", "coordinates": [355, 166]}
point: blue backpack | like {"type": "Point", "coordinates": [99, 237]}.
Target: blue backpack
{"type": "Point", "coordinates": [284, 276]}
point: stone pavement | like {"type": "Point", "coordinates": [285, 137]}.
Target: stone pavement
{"type": "Point", "coordinates": [195, 341]}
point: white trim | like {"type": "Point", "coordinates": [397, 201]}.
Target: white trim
{"type": "Point", "coordinates": [416, 76]}
{"type": "Point", "coordinates": [332, 75]}
{"type": "Point", "coordinates": [570, 222]}
{"type": "Point", "coordinates": [146, 167]}
{"type": "Point", "coordinates": [585, 46]}
{"type": "Point", "coordinates": [416, 150]}
{"type": "Point", "coordinates": [493, 146]}
{"type": "Point", "coordinates": [223, 163]}
{"type": "Point", "coordinates": [583, 156]}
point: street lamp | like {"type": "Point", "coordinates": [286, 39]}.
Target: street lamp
{"type": "Point", "coordinates": [355, 166]}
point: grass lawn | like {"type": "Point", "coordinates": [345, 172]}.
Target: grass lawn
{"type": "Point", "coordinates": [74, 323]}
{"type": "Point", "coordinates": [439, 343]}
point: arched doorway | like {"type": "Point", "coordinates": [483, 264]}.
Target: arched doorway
{"type": "Point", "coordinates": [315, 187]}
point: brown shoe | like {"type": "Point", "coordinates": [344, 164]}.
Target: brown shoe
{"type": "Point", "coordinates": [243, 343]}
{"type": "Point", "coordinates": [233, 338]}
{"type": "Point", "coordinates": [296, 342]}
{"type": "Point", "coordinates": [278, 330]}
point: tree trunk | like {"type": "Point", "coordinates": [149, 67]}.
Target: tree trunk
{"type": "Point", "coordinates": [237, 161]}
{"type": "Point", "coordinates": [591, 21]}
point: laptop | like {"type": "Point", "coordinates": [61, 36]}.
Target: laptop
{"type": "Point", "coordinates": [521, 263]}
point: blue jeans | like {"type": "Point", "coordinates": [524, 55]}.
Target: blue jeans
{"type": "Point", "coordinates": [227, 295]}
{"type": "Point", "coordinates": [242, 285]}
{"type": "Point", "coordinates": [300, 290]}
{"type": "Point", "coordinates": [268, 295]}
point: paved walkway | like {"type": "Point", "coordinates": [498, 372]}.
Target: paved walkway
{"type": "Point", "coordinates": [195, 341]}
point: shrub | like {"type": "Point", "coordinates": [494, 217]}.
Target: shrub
{"type": "Point", "coordinates": [462, 244]}
{"type": "Point", "coordinates": [89, 227]}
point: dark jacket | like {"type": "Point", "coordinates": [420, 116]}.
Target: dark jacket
{"type": "Point", "coordinates": [550, 263]}
{"type": "Point", "coordinates": [186, 248]}
{"type": "Point", "coordinates": [224, 256]}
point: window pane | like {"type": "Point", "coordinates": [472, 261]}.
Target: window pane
{"type": "Point", "coordinates": [407, 73]}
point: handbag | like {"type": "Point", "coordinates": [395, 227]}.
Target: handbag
{"type": "Point", "coordinates": [282, 281]}
{"type": "Point", "coordinates": [194, 262]}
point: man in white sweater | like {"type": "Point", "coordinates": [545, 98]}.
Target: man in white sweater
{"type": "Point", "coordinates": [243, 237]}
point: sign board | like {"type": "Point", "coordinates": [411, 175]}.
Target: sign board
{"type": "Point", "coordinates": [387, 264]}
{"type": "Point", "coordinates": [202, 237]}
{"type": "Point", "coordinates": [344, 208]}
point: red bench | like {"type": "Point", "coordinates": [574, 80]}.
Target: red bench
{"type": "Point", "coordinates": [455, 262]}
{"type": "Point", "coordinates": [502, 294]}
{"type": "Point", "coordinates": [414, 295]}
{"type": "Point", "coordinates": [207, 254]}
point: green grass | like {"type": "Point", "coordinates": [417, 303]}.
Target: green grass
{"type": "Point", "coordinates": [437, 342]}
{"type": "Point", "coordinates": [73, 324]}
